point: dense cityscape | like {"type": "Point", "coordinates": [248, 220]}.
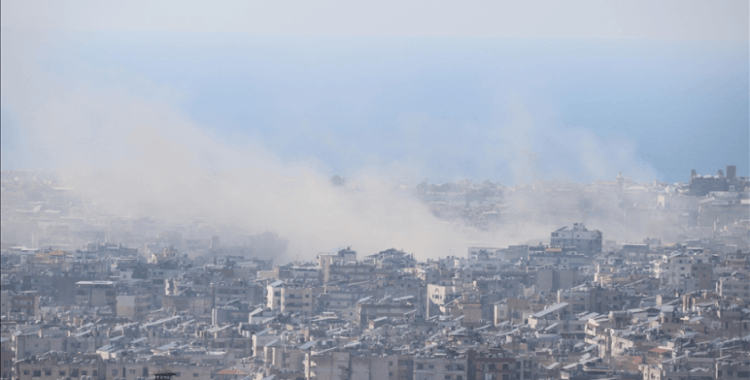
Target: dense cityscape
{"type": "Point", "coordinates": [635, 281]}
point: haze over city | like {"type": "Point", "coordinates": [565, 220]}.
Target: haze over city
{"type": "Point", "coordinates": [178, 146]}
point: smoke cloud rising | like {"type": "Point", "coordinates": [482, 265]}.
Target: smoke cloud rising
{"type": "Point", "coordinates": [129, 148]}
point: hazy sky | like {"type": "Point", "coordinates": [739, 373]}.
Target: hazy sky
{"type": "Point", "coordinates": [510, 91]}
{"type": "Point", "coordinates": [691, 20]}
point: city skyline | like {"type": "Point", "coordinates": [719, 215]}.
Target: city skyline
{"type": "Point", "coordinates": [390, 190]}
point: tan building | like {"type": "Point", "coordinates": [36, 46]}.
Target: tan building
{"type": "Point", "coordinates": [38, 342]}
{"type": "Point", "coordinates": [284, 356]}
{"type": "Point", "coordinates": [677, 270]}
{"type": "Point", "coordinates": [26, 303]}
{"type": "Point", "coordinates": [54, 367]}
{"type": "Point", "coordinates": [586, 242]}
{"type": "Point", "coordinates": [395, 309]}
{"type": "Point", "coordinates": [293, 297]}
{"type": "Point", "coordinates": [96, 294]}
{"type": "Point", "coordinates": [438, 296]}
{"type": "Point", "coordinates": [325, 261]}
{"type": "Point", "coordinates": [439, 368]}
{"type": "Point", "coordinates": [196, 305]}
{"type": "Point", "coordinates": [343, 365]}
{"type": "Point", "coordinates": [223, 292]}
{"type": "Point", "coordinates": [510, 308]}
{"type": "Point", "coordinates": [469, 309]}
{"type": "Point", "coordinates": [737, 286]}
{"type": "Point", "coordinates": [134, 306]}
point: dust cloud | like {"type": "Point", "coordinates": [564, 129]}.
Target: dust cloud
{"type": "Point", "coordinates": [135, 154]}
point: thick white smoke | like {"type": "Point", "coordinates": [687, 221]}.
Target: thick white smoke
{"type": "Point", "coordinates": [134, 153]}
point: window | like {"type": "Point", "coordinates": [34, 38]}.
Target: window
{"type": "Point", "coordinates": [26, 372]}
{"type": "Point", "coordinates": [62, 373]}
{"type": "Point", "coordinates": [114, 372]}
{"type": "Point", "coordinates": [37, 373]}
{"type": "Point", "coordinates": [84, 373]}
{"type": "Point", "coordinates": [47, 372]}
{"type": "Point", "coordinates": [195, 374]}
